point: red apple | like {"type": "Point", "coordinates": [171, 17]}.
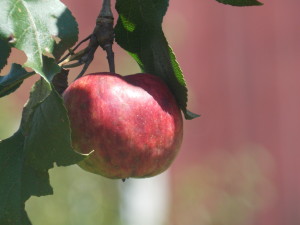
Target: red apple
{"type": "Point", "coordinates": [132, 123]}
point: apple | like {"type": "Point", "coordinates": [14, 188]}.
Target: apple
{"type": "Point", "coordinates": [132, 123]}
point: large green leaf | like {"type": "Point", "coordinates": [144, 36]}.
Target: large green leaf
{"type": "Point", "coordinates": [4, 53]}
{"type": "Point", "coordinates": [43, 139]}
{"type": "Point", "coordinates": [240, 2]}
{"type": "Point", "coordinates": [42, 29]}
{"type": "Point", "coordinates": [48, 137]}
{"type": "Point", "coordinates": [139, 31]}
{"type": "Point", "coordinates": [13, 79]}
{"type": "Point", "coordinates": [12, 176]}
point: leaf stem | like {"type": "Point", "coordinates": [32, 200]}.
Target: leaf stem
{"type": "Point", "coordinates": [110, 58]}
{"type": "Point", "coordinates": [71, 51]}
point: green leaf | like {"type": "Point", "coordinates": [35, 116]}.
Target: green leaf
{"type": "Point", "coordinates": [43, 139]}
{"type": "Point", "coordinates": [12, 175]}
{"type": "Point", "coordinates": [139, 31]}
{"type": "Point", "coordinates": [48, 135]}
{"type": "Point", "coordinates": [67, 33]}
{"type": "Point", "coordinates": [240, 2]}
{"type": "Point", "coordinates": [4, 53]}
{"type": "Point", "coordinates": [42, 29]}
{"type": "Point", "coordinates": [13, 79]}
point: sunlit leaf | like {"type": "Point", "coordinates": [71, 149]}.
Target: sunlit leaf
{"type": "Point", "coordinates": [42, 29]}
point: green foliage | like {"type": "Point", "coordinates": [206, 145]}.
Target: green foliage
{"type": "Point", "coordinates": [43, 139]}
{"type": "Point", "coordinates": [139, 31]}
{"type": "Point", "coordinates": [13, 80]}
{"type": "Point", "coordinates": [45, 123]}
{"type": "Point", "coordinates": [12, 194]}
{"type": "Point", "coordinates": [42, 29]}
{"type": "Point", "coordinates": [240, 2]}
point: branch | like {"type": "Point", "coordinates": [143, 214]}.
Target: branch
{"type": "Point", "coordinates": [103, 36]}
{"type": "Point", "coordinates": [104, 32]}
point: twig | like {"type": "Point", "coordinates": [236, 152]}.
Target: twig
{"type": "Point", "coordinates": [103, 36]}
{"type": "Point", "coordinates": [71, 51]}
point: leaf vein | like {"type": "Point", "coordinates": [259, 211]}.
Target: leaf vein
{"type": "Point", "coordinates": [35, 33]}
{"type": "Point", "coordinates": [13, 8]}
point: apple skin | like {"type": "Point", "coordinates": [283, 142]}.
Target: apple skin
{"type": "Point", "coordinates": [132, 123]}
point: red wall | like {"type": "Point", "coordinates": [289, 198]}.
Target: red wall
{"type": "Point", "coordinates": [242, 67]}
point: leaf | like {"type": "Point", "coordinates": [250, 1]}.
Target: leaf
{"type": "Point", "coordinates": [43, 139]}
{"type": "Point", "coordinates": [12, 193]}
{"type": "Point", "coordinates": [13, 80]}
{"type": "Point", "coordinates": [139, 31]}
{"type": "Point", "coordinates": [42, 29]}
{"type": "Point", "coordinates": [240, 2]}
{"type": "Point", "coordinates": [67, 33]}
{"type": "Point", "coordinates": [4, 53]}
{"type": "Point", "coordinates": [48, 135]}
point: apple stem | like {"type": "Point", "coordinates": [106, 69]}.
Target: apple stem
{"type": "Point", "coordinates": [110, 58]}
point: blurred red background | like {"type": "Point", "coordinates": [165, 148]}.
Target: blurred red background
{"type": "Point", "coordinates": [239, 160]}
